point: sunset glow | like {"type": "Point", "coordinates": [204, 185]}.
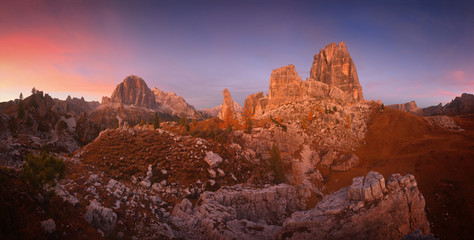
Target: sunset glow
{"type": "Point", "coordinates": [84, 48]}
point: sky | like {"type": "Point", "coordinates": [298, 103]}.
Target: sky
{"type": "Point", "coordinates": [402, 50]}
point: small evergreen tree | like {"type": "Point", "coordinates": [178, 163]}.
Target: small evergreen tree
{"type": "Point", "coordinates": [21, 107]}
{"type": "Point", "coordinates": [186, 125]}
{"type": "Point", "coordinates": [156, 121]}
{"type": "Point", "coordinates": [383, 107]}
{"type": "Point", "coordinates": [42, 169]}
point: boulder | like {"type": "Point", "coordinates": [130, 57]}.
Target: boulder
{"type": "Point", "coordinates": [49, 226]}
{"type": "Point", "coordinates": [345, 163]}
{"type": "Point", "coordinates": [368, 209]}
{"type": "Point", "coordinates": [328, 158]}
{"type": "Point", "coordinates": [213, 159]}
{"type": "Point", "coordinates": [101, 217]}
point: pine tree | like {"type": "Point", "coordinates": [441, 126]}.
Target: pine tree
{"type": "Point", "coordinates": [21, 108]}
{"type": "Point", "coordinates": [156, 121]}
{"type": "Point", "coordinates": [383, 107]}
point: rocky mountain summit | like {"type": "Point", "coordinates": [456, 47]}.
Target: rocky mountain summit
{"type": "Point", "coordinates": [134, 91]}
{"type": "Point", "coordinates": [458, 106]}
{"type": "Point", "coordinates": [333, 76]}
{"type": "Point", "coordinates": [174, 105]}
{"type": "Point", "coordinates": [410, 107]}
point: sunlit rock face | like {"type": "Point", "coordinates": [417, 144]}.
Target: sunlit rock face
{"type": "Point", "coordinates": [134, 91]}
{"type": "Point", "coordinates": [333, 76]}
{"type": "Point", "coordinates": [334, 66]}
{"type": "Point", "coordinates": [229, 107]}
{"type": "Point", "coordinates": [410, 107]}
{"type": "Point", "coordinates": [174, 105]}
{"type": "Point", "coordinates": [285, 86]}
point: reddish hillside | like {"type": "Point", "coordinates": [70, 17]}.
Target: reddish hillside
{"type": "Point", "coordinates": [440, 159]}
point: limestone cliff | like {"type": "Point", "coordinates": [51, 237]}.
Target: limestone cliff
{"type": "Point", "coordinates": [134, 91]}
{"type": "Point", "coordinates": [410, 107]}
{"type": "Point", "coordinates": [334, 66]}
{"type": "Point", "coordinates": [174, 105]}
{"type": "Point", "coordinates": [228, 106]}
{"type": "Point", "coordinates": [333, 76]}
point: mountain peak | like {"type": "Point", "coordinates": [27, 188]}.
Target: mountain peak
{"type": "Point", "coordinates": [133, 90]}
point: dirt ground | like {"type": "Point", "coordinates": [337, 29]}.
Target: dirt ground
{"type": "Point", "coordinates": [441, 160]}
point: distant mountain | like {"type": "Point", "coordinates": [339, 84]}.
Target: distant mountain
{"type": "Point", "coordinates": [134, 91]}
{"type": "Point", "coordinates": [410, 107]}
{"type": "Point", "coordinates": [214, 112]}
{"type": "Point", "coordinates": [458, 106]}
{"type": "Point", "coordinates": [211, 112]}
{"type": "Point", "coordinates": [170, 103]}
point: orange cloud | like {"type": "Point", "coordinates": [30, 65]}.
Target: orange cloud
{"type": "Point", "coordinates": [56, 62]}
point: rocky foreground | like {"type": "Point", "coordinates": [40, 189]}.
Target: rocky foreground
{"type": "Point", "coordinates": [371, 208]}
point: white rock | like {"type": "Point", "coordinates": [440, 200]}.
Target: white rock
{"type": "Point", "coordinates": [212, 173]}
{"type": "Point", "coordinates": [221, 172]}
{"type": "Point", "coordinates": [48, 226]}
{"type": "Point", "coordinates": [213, 159]}
{"type": "Point", "coordinates": [93, 178]}
{"type": "Point", "coordinates": [101, 217]}
{"type": "Point", "coordinates": [212, 182]}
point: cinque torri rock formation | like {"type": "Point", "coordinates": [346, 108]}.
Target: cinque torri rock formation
{"type": "Point", "coordinates": [333, 76]}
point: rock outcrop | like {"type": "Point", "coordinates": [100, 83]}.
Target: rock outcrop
{"type": "Point", "coordinates": [285, 86]}
{"type": "Point", "coordinates": [460, 105]}
{"type": "Point", "coordinates": [228, 110]}
{"type": "Point", "coordinates": [333, 76]}
{"type": "Point", "coordinates": [334, 66]}
{"type": "Point", "coordinates": [368, 209]}
{"type": "Point", "coordinates": [101, 217]}
{"type": "Point", "coordinates": [174, 105]}
{"type": "Point", "coordinates": [237, 212]}
{"type": "Point", "coordinates": [410, 107]}
{"type": "Point", "coordinates": [134, 91]}
{"type": "Point", "coordinates": [255, 104]}
{"type": "Point", "coordinates": [371, 208]}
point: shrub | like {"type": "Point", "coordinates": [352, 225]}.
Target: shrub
{"type": "Point", "coordinates": [310, 116]}
{"type": "Point", "coordinates": [276, 165]}
{"type": "Point", "coordinates": [304, 123]}
{"type": "Point", "coordinates": [278, 123]}
{"type": "Point", "coordinates": [42, 169]}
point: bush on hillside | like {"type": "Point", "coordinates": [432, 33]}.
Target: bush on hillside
{"type": "Point", "coordinates": [42, 169]}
